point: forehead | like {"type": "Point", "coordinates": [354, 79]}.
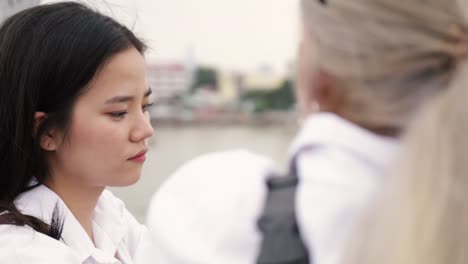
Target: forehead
{"type": "Point", "coordinates": [123, 73]}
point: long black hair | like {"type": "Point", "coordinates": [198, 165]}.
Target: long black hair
{"type": "Point", "coordinates": [48, 56]}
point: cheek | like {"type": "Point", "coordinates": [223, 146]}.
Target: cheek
{"type": "Point", "coordinates": [96, 148]}
{"type": "Point", "coordinates": [97, 152]}
{"type": "Point", "coordinates": [101, 152]}
{"type": "Point", "coordinates": [97, 136]}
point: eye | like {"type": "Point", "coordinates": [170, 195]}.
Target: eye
{"type": "Point", "coordinates": [147, 106]}
{"type": "Point", "coordinates": [118, 115]}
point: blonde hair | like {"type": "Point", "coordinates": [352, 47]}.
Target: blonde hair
{"type": "Point", "coordinates": [388, 56]}
{"type": "Point", "coordinates": [422, 215]}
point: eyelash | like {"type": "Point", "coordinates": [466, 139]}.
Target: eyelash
{"type": "Point", "coordinates": [147, 106]}
{"type": "Point", "coordinates": [118, 115]}
{"type": "Point", "coordinates": [122, 114]}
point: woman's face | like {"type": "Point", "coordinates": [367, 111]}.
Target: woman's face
{"type": "Point", "coordinates": [110, 127]}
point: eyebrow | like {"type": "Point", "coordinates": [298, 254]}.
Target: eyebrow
{"type": "Point", "coordinates": [126, 99]}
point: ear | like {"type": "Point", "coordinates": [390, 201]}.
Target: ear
{"type": "Point", "coordinates": [325, 91]}
{"type": "Point", "coordinates": [317, 89]}
{"type": "Point", "coordinates": [47, 141]}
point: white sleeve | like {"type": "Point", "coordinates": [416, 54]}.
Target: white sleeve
{"type": "Point", "coordinates": [22, 245]}
{"type": "Point", "coordinates": [207, 211]}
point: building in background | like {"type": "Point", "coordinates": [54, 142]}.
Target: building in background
{"type": "Point", "coordinates": [9, 7]}
{"type": "Point", "coordinates": [261, 81]}
{"type": "Point", "coordinates": [265, 91]}
{"type": "Point", "coordinates": [230, 86]}
{"type": "Point", "coordinates": [169, 80]}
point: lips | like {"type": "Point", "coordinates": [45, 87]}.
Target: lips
{"type": "Point", "coordinates": [140, 157]}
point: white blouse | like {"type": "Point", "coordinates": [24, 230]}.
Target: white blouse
{"type": "Point", "coordinates": [116, 233]}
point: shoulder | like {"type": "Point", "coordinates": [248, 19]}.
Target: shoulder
{"type": "Point", "coordinates": [39, 202]}
{"type": "Point", "coordinates": [21, 244]}
{"type": "Point", "coordinates": [241, 160]}
{"type": "Point", "coordinates": [216, 174]}
{"type": "Point", "coordinates": [340, 152]}
{"type": "Point", "coordinates": [336, 166]}
{"type": "Point", "coordinates": [213, 203]}
{"type": "Point", "coordinates": [332, 182]}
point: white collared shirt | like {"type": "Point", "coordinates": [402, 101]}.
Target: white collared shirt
{"type": "Point", "coordinates": [116, 233]}
{"type": "Point", "coordinates": [207, 211]}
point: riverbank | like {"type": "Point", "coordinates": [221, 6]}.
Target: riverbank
{"type": "Point", "coordinates": [230, 119]}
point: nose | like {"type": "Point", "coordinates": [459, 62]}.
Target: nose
{"type": "Point", "coordinates": [142, 128]}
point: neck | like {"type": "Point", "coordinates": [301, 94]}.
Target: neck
{"type": "Point", "coordinates": [382, 130]}
{"type": "Point", "coordinates": [387, 131]}
{"type": "Point", "coordinates": [81, 200]}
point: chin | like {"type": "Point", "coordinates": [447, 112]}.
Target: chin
{"type": "Point", "coordinates": [127, 180]}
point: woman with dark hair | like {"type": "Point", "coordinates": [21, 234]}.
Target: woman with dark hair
{"type": "Point", "coordinates": [74, 120]}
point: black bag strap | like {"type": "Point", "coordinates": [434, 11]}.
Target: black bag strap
{"type": "Point", "coordinates": [282, 242]}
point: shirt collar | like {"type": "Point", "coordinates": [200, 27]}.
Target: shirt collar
{"type": "Point", "coordinates": [108, 229]}
{"type": "Point", "coordinates": [329, 129]}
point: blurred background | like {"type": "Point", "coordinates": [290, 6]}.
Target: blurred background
{"type": "Point", "coordinates": [222, 73]}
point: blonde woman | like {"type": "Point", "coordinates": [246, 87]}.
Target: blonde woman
{"type": "Point", "coordinates": [365, 68]}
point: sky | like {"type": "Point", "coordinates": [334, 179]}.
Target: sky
{"type": "Point", "coordinates": [234, 35]}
